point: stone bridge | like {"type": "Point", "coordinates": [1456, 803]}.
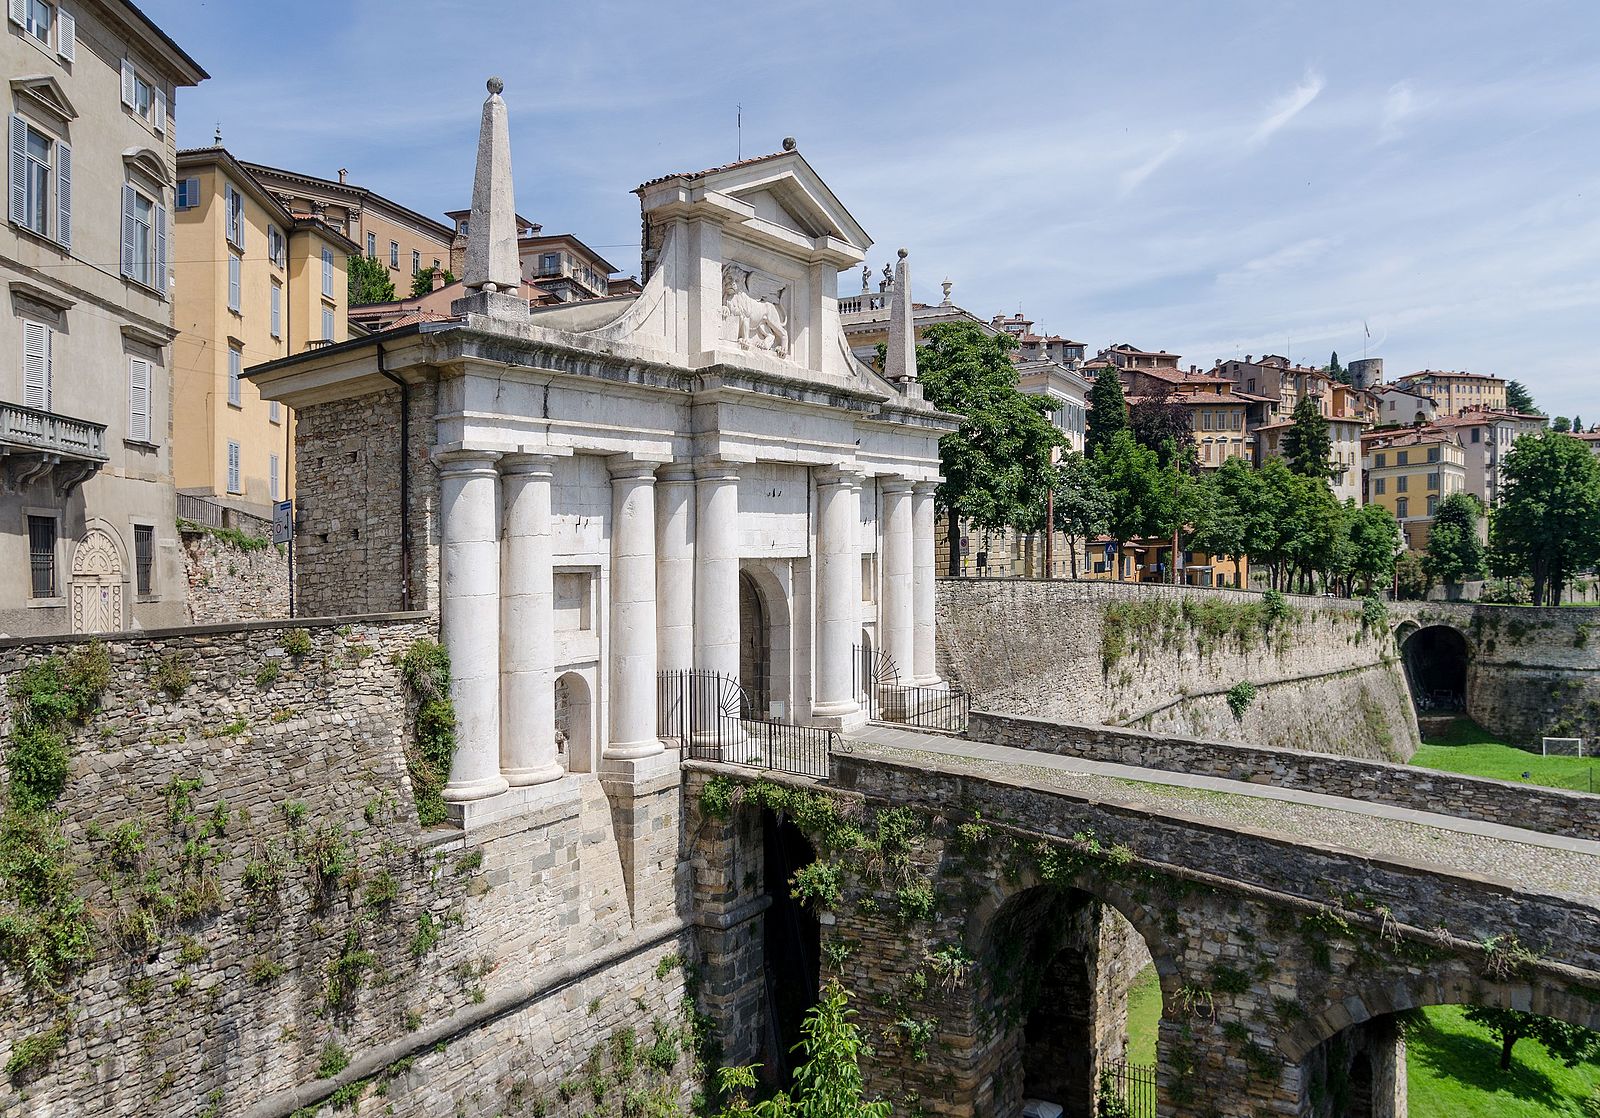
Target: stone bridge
{"type": "Point", "coordinates": [988, 906]}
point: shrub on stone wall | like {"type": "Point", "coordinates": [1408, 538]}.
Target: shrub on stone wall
{"type": "Point", "coordinates": [426, 668]}
{"type": "Point", "coordinates": [1240, 696]}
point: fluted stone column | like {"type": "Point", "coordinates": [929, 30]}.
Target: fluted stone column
{"type": "Point", "coordinates": [897, 617]}
{"type": "Point", "coordinates": [924, 670]}
{"type": "Point", "coordinates": [838, 599]}
{"type": "Point", "coordinates": [528, 752]}
{"type": "Point", "coordinates": [632, 662]}
{"type": "Point", "coordinates": [716, 569]}
{"type": "Point", "coordinates": [469, 617]}
{"type": "Point", "coordinates": [675, 575]}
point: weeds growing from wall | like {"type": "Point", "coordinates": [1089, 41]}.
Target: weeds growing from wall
{"type": "Point", "coordinates": [426, 669]}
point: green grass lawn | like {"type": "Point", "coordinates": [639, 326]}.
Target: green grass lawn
{"type": "Point", "coordinates": [1453, 1071]}
{"type": "Point", "coordinates": [1469, 749]}
{"type": "Point", "coordinates": [1144, 1015]}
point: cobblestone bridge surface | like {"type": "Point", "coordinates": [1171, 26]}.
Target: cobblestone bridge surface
{"type": "Point", "coordinates": [1288, 928]}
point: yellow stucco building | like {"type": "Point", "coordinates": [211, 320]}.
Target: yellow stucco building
{"type": "Point", "coordinates": [1410, 472]}
{"type": "Point", "coordinates": [253, 283]}
{"type": "Point", "coordinates": [1452, 393]}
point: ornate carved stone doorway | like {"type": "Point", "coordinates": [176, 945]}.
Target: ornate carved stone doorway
{"type": "Point", "coordinates": [96, 584]}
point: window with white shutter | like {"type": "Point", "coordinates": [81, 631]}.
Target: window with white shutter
{"type": "Point", "coordinates": [17, 12]}
{"type": "Point", "coordinates": [31, 197]}
{"type": "Point", "coordinates": [66, 35]}
{"type": "Point", "coordinates": [37, 16]}
{"type": "Point", "coordinates": [233, 467]}
{"type": "Point", "coordinates": [277, 309]}
{"type": "Point", "coordinates": [64, 195]}
{"type": "Point", "coordinates": [130, 248]}
{"type": "Point", "coordinates": [234, 216]}
{"type": "Point", "coordinates": [272, 476]}
{"type": "Point", "coordinates": [274, 412]}
{"type": "Point", "coordinates": [327, 273]}
{"type": "Point", "coordinates": [188, 193]}
{"type": "Point", "coordinates": [138, 399]}
{"type": "Point", "coordinates": [37, 340]}
{"type": "Point", "coordinates": [327, 324]}
{"type": "Point", "coordinates": [127, 83]}
{"type": "Point", "coordinates": [160, 120]}
{"type": "Point", "coordinates": [163, 236]}
{"type": "Point", "coordinates": [234, 266]}
{"type": "Point", "coordinates": [235, 371]}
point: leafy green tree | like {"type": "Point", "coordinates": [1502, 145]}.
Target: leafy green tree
{"type": "Point", "coordinates": [1577, 425]}
{"type": "Point", "coordinates": [1561, 424]}
{"type": "Point", "coordinates": [1082, 509]}
{"type": "Point", "coordinates": [1371, 545]}
{"type": "Point", "coordinates": [1232, 524]}
{"type": "Point", "coordinates": [1455, 552]}
{"type": "Point", "coordinates": [422, 282]}
{"type": "Point", "coordinates": [1571, 1044]}
{"type": "Point", "coordinates": [828, 1085]}
{"type": "Point", "coordinates": [1411, 577]}
{"type": "Point", "coordinates": [1138, 491]}
{"type": "Point", "coordinates": [1337, 371]}
{"type": "Point", "coordinates": [1518, 398]}
{"type": "Point", "coordinates": [998, 465]}
{"type": "Point", "coordinates": [1547, 524]}
{"type": "Point", "coordinates": [369, 281]}
{"type": "Point", "coordinates": [1161, 423]}
{"type": "Point", "coordinates": [1307, 446]}
{"type": "Point", "coordinates": [1108, 411]}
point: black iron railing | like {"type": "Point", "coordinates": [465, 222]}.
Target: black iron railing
{"type": "Point", "coordinates": [709, 715]}
{"type": "Point", "coordinates": [885, 699]}
{"type": "Point", "coordinates": [1131, 1085]}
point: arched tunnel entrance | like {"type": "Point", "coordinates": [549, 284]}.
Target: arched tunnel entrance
{"type": "Point", "coordinates": [792, 941]}
{"type": "Point", "coordinates": [1436, 658]}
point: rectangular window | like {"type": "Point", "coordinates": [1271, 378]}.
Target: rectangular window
{"type": "Point", "coordinates": [31, 200]}
{"type": "Point", "coordinates": [188, 194]}
{"type": "Point", "coordinates": [327, 273]}
{"type": "Point", "coordinates": [327, 324]}
{"type": "Point", "coordinates": [1433, 481]}
{"type": "Point", "coordinates": [1379, 460]}
{"type": "Point", "coordinates": [1404, 456]}
{"type": "Point", "coordinates": [272, 476]}
{"type": "Point", "coordinates": [233, 215]}
{"type": "Point", "coordinates": [235, 267]}
{"type": "Point", "coordinates": [1400, 483]}
{"type": "Point", "coordinates": [1433, 503]}
{"type": "Point", "coordinates": [276, 309]}
{"type": "Point", "coordinates": [42, 555]}
{"type": "Point", "coordinates": [416, 261]}
{"type": "Point", "coordinates": [37, 19]}
{"type": "Point", "coordinates": [436, 264]}
{"type": "Point", "coordinates": [1433, 454]}
{"type": "Point", "coordinates": [144, 556]}
{"type": "Point", "coordinates": [144, 240]}
{"type": "Point", "coordinates": [550, 264]}
{"type": "Point", "coordinates": [1380, 486]}
{"type": "Point", "coordinates": [235, 369]}
{"type": "Point", "coordinates": [1401, 507]}
{"type": "Point", "coordinates": [274, 412]}
{"type": "Point", "coordinates": [275, 245]}
{"type": "Point", "coordinates": [372, 246]}
{"type": "Point", "coordinates": [233, 467]}
{"type": "Point", "coordinates": [138, 400]}
{"type": "Point", "coordinates": [1476, 435]}
{"type": "Point", "coordinates": [38, 344]}
{"type": "Point", "coordinates": [394, 254]}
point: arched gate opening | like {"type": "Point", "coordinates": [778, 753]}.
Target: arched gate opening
{"type": "Point", "coordinates": [792, 940]}
{"type": "Point", "coordinates": [1436, 659]}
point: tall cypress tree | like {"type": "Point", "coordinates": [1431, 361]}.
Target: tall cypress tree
{"type": "Point", "coordinates": [1306, 446]}
{"type": "Point", "coordinates": [1108, 411]}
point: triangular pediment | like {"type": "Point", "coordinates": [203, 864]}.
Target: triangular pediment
{"type": "Point", "coordinates": [784, 190]}
{"type": "Point", "coordinates": [44, 92]}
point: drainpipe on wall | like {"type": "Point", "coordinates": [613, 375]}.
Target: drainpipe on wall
{"type": "Point", "coordinates": [405, 480]}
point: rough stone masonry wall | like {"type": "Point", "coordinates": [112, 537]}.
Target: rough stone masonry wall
{"type": "Point", "coordinates": [1495, 801]}
{"type": "Point", "coordinates": [229, 583]}
{"type": "Point", "coordinates": [1324, 681]}
{"type": "Point", "coordinates": [347, 535]}
{"type": "Point", "coordinates": [457, 974]}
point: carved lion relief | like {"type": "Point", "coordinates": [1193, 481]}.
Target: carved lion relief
{"type": "Point", "coordinates": [753, 310]}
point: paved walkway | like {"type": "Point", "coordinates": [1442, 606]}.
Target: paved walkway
{"type": "Point", "coordinates": [1528, 859]}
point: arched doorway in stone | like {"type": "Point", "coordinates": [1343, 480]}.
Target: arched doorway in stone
{"type": "Point", "coordinates": [97, 589]}
{"type": "Point", "coordinates": [755, 649]}
{"type": "Point", "coordinates": [1436, 659]}
{"type": "Point", "coordinates": [574, 722]}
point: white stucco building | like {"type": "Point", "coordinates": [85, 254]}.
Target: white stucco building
{"type": "Point", "coordinates": [700, 476]}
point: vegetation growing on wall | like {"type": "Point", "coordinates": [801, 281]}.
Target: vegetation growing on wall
{"type": "Point", "coordinates": [232, 537]}
{"type": "Point", "coordinates": [1135, 627]}
{"type": "Point", "coordinates": [426, 669]}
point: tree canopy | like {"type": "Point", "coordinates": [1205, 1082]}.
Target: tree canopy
{"type": "Point", "coordinates": [1518, 398]}
{"type": "Point", "coordinates": [998, 466]}
{"type": "Point", "coordinates": [1571, 1044]}
{"type": "Point", "coordinates": [1547, 524]}
{"type": "Point", "coordinates": [1139, 500]}
{"type": "Point", "coordinates": [1306, 446]}
{"type": "Point", "coordinates": [1159, 422]}
{"type": "Point", "coordinates": [369, 281]}
{"type": "Point", "coordinates": [1455, 552]}
{"type": "Point", "coordinates": [1337, 371]}
{"type": "Point", "coordinates": [1082, 508]}
{"type": "Point", "coordinates": [1108, 410]}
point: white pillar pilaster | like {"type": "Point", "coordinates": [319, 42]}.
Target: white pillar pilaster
{"type": "Point", "coordinates": [925, 672]}
{"type": "Point", "coordinates": [632, 663]}
{"type": "Point", "coordinates": [528, 752]}
{"type": "Point", "coordinates": [469, 617]}
{"type": "Point", "coordinates": [838, 600]}
{"type": "Point", "coordinates": [675, 576]}
{"type": "Point", "coordinates": [896, 619]}
{"type": "Point", "coordinates": [716, 569]}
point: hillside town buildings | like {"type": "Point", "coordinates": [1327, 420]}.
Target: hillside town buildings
{"type": "Point", "coordinates": [1410, 472]}
{"type": "Point", "coordinates": [88, 541]}
{"type": "Point", "coordinates": [1455, 392]}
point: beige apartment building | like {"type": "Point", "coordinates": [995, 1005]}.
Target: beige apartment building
{"type": "Point", "coordinates": [406, 241]}
{"type": "Point", "coordinates": [1453, 393]}
{"type": "Point", "coordinates": [254, 283]}
{"type": "Point", "coordinates": [88, 541]}
{"type": "Point", "coordinates": [1410, 472]}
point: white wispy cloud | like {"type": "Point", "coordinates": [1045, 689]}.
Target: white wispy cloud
{"type": "Point", "coordinates": [1398, 107]}
{"type": "Point", "coordinates": [1287, 107]}
{"type": "Point", "coordinates": [1290, 258]}
{"type": "Point", "coordinates": [1133, 176]}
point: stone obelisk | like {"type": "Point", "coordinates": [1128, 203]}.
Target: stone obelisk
{"type": "Point", "coordinates": [492, 273]}
{"type": "Point", "coordinates": [900, 356]}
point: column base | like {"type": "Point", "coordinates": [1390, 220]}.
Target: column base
{"type": "Point", "coordinates": [932, 681]}
{"type": "Point", "coordinates": [632, 750]}
{"type": "Point", "coordinates": [468, 790]}
{"type": "Point", "coordinates": [839, 716]}
{"type": "Point", "coordinates": [556, 798]}
{"type": "Point", "coordinates": [543, 774]}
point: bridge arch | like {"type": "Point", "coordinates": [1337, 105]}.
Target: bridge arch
{"type": "Point", "coordinates": [1437, 660]}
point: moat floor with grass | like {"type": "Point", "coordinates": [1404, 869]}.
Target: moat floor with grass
{"type": "Point", "coordinates": [1452, 1065]}
{"type": "Point", "coordinates": [1469, 749]}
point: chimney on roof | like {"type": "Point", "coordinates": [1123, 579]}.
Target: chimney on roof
{"type": "Point", "coordinates": [344, 175]}
{"type": "Point", "coordinates": [437, 278]}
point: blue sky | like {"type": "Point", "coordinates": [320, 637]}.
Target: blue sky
{"type": "Point", "coordinates": [1210, 179]}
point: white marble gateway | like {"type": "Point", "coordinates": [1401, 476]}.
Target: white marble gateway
{"type": "Point", "coordinates": [697, 476]}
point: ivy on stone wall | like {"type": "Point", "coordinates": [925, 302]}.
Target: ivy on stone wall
{"type": "Point", "coordinates": [1134, 627]}
{"type": "Point", "coordinates": [426, 669]}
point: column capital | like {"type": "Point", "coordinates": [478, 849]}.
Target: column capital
{"type": "Point", "coordinates": [525, 463]}
{"type": "Point", "coordinates": [627, 466]}
{"type": "Point", "coordinates": [924, 488]}
{"type": "Point", "coordinates": [716, 469]}
{"type": "Point", "coordinates": [460, 460]}
{"type": "Point", "coordinates": [679, 471]}
{"type": "Point", "coordinates": [893, 483]}
{"type": "Point", "coordinates": [837, 475]}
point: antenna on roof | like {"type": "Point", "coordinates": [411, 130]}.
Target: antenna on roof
{"type": "Point", "coordinates": [216, 136]}
{"type": "Point", "coordinates": [738, 127]}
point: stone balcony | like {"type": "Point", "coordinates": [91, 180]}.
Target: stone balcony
{"type": "Point", "coordinates": [865, 303]}
{"type": "Point", "coordinates": [35, 443]}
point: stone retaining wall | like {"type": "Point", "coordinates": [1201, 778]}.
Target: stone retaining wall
{"type": "Point", "coordinates": [1550, 810]}
{"type": "Point", "coordinates": [229, 584]}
